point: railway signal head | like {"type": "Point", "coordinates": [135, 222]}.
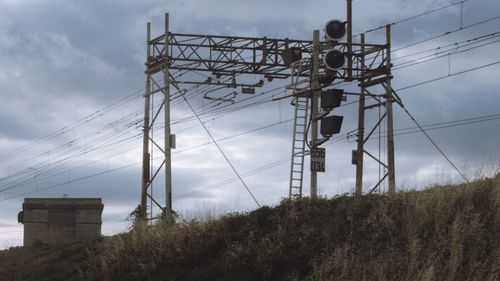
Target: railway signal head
{"type": "Point", "coordinates": [330, 99]}
{"type": "Point", "coordinates": [331, 125]}
{"type": "Point", "coordinates": [334, 59]}
{"type": "Point", "coordinates": [335, 29]}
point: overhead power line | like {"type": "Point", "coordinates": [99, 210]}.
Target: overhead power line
{"type": "Point", "coordinates": [222, 152]}
{"type": "Point", "coordinates": [416, 16]}
{"type": "Point", "coordinates": [434, 144]}
{"type": "Point", "coordinates": [76, 124]}
{"type": "Point", "coordinates": [447, 33]}
{"type": "Point", "coordinates": [447, 76]}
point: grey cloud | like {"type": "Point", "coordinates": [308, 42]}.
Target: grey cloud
{"type": "Point", "coordinates": [62, 60]}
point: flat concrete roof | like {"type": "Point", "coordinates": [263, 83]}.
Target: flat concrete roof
{"type": "Point", "coordinates": [63, 200]}
{"type": "Point", "coordinates": [51, 203]}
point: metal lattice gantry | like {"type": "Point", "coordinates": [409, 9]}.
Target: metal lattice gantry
{"type": "Point", "coordinates": [271, 58]}
{"type": "Point", "coordinates": [217, 55]}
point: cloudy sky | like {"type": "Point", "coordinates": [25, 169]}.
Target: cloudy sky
{"type": "Point", "coordinates": [72, 79]}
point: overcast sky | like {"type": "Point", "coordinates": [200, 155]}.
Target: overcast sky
{"type": "Point", "coordinates": [72, 78]}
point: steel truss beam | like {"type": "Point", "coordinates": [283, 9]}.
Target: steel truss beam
{"type": "Point", "coordinates": [373, 65]}
{"type": "Point", "coordinates": [230, 55]}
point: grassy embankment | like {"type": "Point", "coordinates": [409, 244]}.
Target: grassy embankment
{"type": "Point", "coordinates": [442, 233]}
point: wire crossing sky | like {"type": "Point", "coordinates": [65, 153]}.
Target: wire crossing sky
{"type": "Point", "coordinates": [72, 86]}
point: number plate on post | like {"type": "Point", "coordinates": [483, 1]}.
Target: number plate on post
{"type": "Point", "coordinates": [318, 160]}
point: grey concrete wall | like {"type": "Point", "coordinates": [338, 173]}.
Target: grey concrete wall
{"type": "Point", "coordinates": [54, 220]}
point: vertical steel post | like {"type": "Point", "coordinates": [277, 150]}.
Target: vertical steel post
{"type": "Point", "coordinates": [361, 125]}
{"type": "Point", "coordinates": [168, 156]}
{"type": "Point", "coordinates": [316, 92]}
{"type": "Point", "coordinates": [349, 40]}
{"type": "Point", "coordinates": [390, 128]}
{"type": "Point", "coordinates": [145, 138]}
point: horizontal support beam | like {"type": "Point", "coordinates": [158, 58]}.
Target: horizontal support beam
{"type": "Point", "coordinates": [231, 54]}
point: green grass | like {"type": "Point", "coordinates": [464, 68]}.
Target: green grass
{"type": "Point", "coordinates": [441, 233]}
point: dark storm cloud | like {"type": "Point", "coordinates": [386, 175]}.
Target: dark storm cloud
{"type": "Point", "coordinates": [62, 60]}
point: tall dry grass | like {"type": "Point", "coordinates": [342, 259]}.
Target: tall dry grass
{"type": "Point", "coordinates": [442, 233]}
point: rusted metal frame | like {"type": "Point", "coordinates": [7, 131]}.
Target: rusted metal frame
{"type": "Point", "coordinates": [189, 38]}
{"type": "Point", "coordinates": [157, 204]}
{"type": "Point", "coordinates": [158, 86]}
{"type": "Point", "coordinates": [221, 53]}
{"type": "Point", "coordinates": [374, 73]}
{"type": "Point", "coordinates": [240, 50]}
{"type": "Point", "coordinates": [375, 97]}
{"type": "Point", "coordinates": [211, 65]}
{"type": "Point", "coordinates": [161, 38]}
{"type": "Point", "coordinates": [158, 112]}
{"type": "Point", "coordinates": [225, 66]}
{"type": "Point", "coordinates": [238, 70]}
{"type": "Point", "coordinates": [247, 46]}
{"type": "Point", "coordinates": [374, 128]}
{"type": "Point", "coordinates": [276, 59]}
{"type": "Point", "coordinates": [379, 53]}
{"type": "Point", "coordinates": [156, 173]}
{"type": "Point", "coordinates": [378, 184]}
{"type": "Point", "coordinates": [183, 51]}
{"type": "Point", "coordinates": [193, 52]}
{"type": "Point", "coordinates": [156, 51]}
{"type": "Point", "coordinates": [174, 60]}
{"type": "Point", "coordinates": [356, 60]}
{"type": "Point", "coordinates": [280, 68]}
{"type": "Point", "coordinates": [375, 105]}
{"type": "Point", "coordinates": [276, 53]}
{"type": "Point", "coordinates": [162, 104]}
{"type": "Point", "coordinates": [157, 145]}
{"type": "Point", "coordinates": [184, 48]}
{"type": "Point", "coordinates": [228, 85]}
{"type": "Point", "coordinates": [374, 81]}
{"type": "Point", "coordinates": [383, 65]}
{"type": "Point", "coordinates": [369, 68]}
{"type": "Point", "coordinates": [375, 158]}
{"type": "Point", "coordinates": [281, 73]}
{"type": "Point", "coordinates": [368, 51]}
{"type": "Point", "coordinates": [397, 98]}
{"type": "Point", "coordinates": [235, 37]}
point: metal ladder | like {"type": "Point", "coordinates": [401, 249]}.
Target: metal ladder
{"type": "Point", "coordinates": [300, 123]}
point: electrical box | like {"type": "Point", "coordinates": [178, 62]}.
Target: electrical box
{"type": "Point", "coordinates": [172, 142]}
{"type": "Point", "coordinates": [291, 55]}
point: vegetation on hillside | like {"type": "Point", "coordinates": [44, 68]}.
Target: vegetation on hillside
{"type": "Point", "coordinates": [442, 233]}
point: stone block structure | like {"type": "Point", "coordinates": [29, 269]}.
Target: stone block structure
{"type": "Point", "coordinates": [61, 220]}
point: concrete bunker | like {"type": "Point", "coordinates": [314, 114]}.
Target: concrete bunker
{"type": "Point", "coordinates": [60, 220]}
